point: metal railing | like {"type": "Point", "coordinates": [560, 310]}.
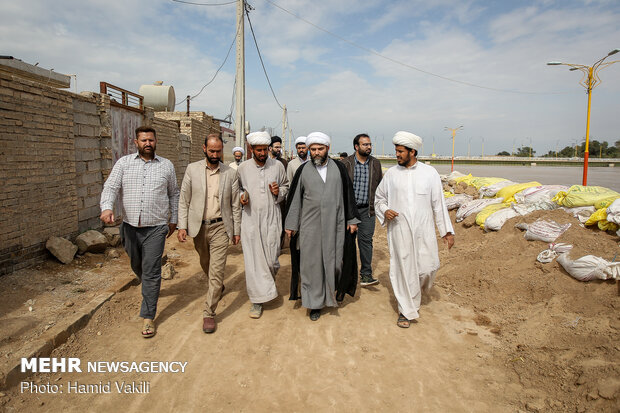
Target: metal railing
{"type": "Point", "coordinates": [122, 98]}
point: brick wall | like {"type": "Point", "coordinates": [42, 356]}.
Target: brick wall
{"type": "Point", "coordinates": [37, 169]}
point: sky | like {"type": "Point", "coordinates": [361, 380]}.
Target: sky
{"type": "Point", "coordinates": [388, 65]}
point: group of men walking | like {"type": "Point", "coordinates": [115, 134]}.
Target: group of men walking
{"type": "Point", "coordinates": [323, 206]}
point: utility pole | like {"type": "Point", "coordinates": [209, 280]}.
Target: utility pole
{"type": "Point", "coordinates": [240, 78]}
{"type": "Point", "coordinates": [284, 127]}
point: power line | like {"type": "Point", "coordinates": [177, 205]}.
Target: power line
{"type": "Point", "coordinates": [261, 61]}
{"type": "Point", "coordinates": [204, 4]}
{"type": "Point", "coordinates": [216, 72]}
{"type": "Point", "coordinates": [366, 49]}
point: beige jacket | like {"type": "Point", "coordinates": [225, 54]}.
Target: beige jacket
{"type": "Point", "coordinates": [192, 199]}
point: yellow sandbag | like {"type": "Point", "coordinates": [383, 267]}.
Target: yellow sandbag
{"type": "Point", "coordinates": [479, 182]}
{"type": "Point", "coordinates": [487, 211]}
{"type": "Point", "coordinates": [465, 178]}
{"type": "Point", "coordinates": [447, 194]}
{"type": "Point", "coordinates": [600, 218]}
{"type": "Point", "coordinates": [509, 191]}
{"type": "Point", "coordinates": [578, 196]}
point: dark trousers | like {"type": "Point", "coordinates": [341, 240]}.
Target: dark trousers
{"type": "Point", "coordinates": [145, 246]}
{"type": "Point", "coordinates": [365, 232]}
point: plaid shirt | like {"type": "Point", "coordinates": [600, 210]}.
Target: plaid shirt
{"type": "Point", "coordinates": [360, 181]}
{"type": "Point", "coordinates": [150, 195]}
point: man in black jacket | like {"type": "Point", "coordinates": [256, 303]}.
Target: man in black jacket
{"type": "Point", "coordinates": [365, 172]}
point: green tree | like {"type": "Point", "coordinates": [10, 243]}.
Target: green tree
{"type": "Point", "coordinates": [503, 153]}
{"type": "Point", "coordinates": [525, 151]}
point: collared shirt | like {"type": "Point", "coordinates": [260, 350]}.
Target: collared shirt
{"type": "Point", "coordinates": [212, 194]}
{"type": "Point", "coordinates": [150, 195]}
{"type": "Point", "coordinates": [361, 176]}
{"type": "Point", "coordinates": [322, 170]}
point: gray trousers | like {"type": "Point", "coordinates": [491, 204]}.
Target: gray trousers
{"type": "Point", "coordinates": [365, 232]}
{"type": "Point", "coordinates": [145, 246]}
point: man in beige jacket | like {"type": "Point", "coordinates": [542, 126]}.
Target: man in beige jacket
{"type": "Point", "coordinates": [210, 212]}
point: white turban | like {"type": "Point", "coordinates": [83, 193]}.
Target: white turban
{"type": "Point", "coordinates": [238, 149]}
{"type": "Point", "coordinates": [259, 138]}
{"type": "Point", "coordinates": [407, 139]}
{"type": "Point", "coordinates": [318, 137]}
{"type": "Point", "coordinates": [301, 139]}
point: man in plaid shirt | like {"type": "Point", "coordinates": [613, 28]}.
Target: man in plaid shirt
{"type": "Point", "coordinates": [365, 172]}
{"type": "Point", "coordinates": [150, 201]}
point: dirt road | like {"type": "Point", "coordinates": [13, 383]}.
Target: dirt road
{"type": "Point", "coordinates": [499, 333]}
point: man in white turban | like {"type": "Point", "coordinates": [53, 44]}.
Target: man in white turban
{"type": "Point", "coordinates": [238, 153]}
{"type": "Point", "coordinates": [302, 157]}
{"type": "Point", "coordinates": [410, 201]}
{"type": "Point", "coordinates": [322, 211]}
{"type": "Point", "coordinates": [264, 184]}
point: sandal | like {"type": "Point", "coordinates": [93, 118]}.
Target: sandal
{"type": "Point", "coordinates": [402, 321]}
{"type": "Point", "coordinates": [148, 328]}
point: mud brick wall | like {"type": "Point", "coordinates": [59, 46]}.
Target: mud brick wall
{"type": "Point", "coordinates": [196, 126]}
{"type": "Point", "coordinates": [37, 170]}
{"type": "Point", "coordinates": [169, 145]}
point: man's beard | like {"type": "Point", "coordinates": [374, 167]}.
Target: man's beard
{"type": "Point", "coordinates": [404, 161]}
{"type": "Point", "coordinates": [305, 154]}
{"type": "Point", "coordinates": [275, 154]}
{"type": "Point", "coordinates": [214, 160]}
{"type": "Point", "coordinates": [362, 152]}
{"type": "Point", "coordinates": [261, 158]}
{"type": "Point", "coordinates": [143, 152]}
{"type": "Point", "coordinates": [319, 160]}
{"type": "Point", "coordinates": [238, 161]}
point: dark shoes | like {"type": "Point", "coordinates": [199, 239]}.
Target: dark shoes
{"type": "Point", "coordinates": [367, 280]}
{"type": "Point", "coordinates": [208, 325]}
{"type": "Point", "coordinates": [315, 314]}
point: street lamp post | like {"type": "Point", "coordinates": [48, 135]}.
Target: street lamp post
{"type": "Point", "coordinates": [589, 80]}
{"type": "Point", "coordinates": [453, 130]}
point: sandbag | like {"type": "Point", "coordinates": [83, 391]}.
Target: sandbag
{"type": "Point", "coordinates": [581, 213]}
{"type": "Point", "coordinates": [613, 212]}
{"type": "Point", "coordinates": [508, 192]}
{"type": "Point", "coordinates": [447, 194]}
{"type": "Point", "coordinates": [524, 209]}
{"type": "Point", "coordinates": [451, 176]}
{"type": "Point", "coordinates": [553, 251]}
{"type": "Point", "coordinates": [579, 195]}
{"type": "Point", "coordinates": [539, 193]}
{"type": "Point", "coordinates": [600, 219]}
{"type": "Point", "coordinates": [474, 206]}
{"type": "Point", "coordinates": [463, 178]}
{"type": "Point", "coordinates": [497, 219]}
{"type": "Point", "coordinates": [491, 190]}
{"type": "Point", "coordinates": [589, 267]}
{"type": "Point", "coordinates": [479, 182]}
{"type": "Point", "coordinates": [541, 230]}
{"type": "Point", "coordinates": [456, 201]}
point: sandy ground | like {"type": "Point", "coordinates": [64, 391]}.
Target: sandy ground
{"type": "Point", "coordinates": [498, 333]}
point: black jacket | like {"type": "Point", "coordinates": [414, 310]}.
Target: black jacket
{"type": "Point", "coordinates": [375, 176]}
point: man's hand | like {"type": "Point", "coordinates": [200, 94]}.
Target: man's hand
{"type": "Point", "coordinates": [182, 235]}
{"type": "Point", "coordinates": [236, 239]}
{"type": "Point", "coordinates": [449, 240]}
{"type": "Point", "coordinates": [171, 229]}
{"type": "Point", "coordinates": [390, 214]}
{"type": "Point", "coordinates": [352, 228]}
{"type": "Point", "coordinates": [289, 232]}
{"type": "Point", "coordinates": [107, 216]}
{"type": "Point", "coordinates": [244, 199]}
{"type": "Point", "coordinates": [274, 188]}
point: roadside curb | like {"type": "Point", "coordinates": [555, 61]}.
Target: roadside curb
{"type": "Point", "coordinates": [59, 334]}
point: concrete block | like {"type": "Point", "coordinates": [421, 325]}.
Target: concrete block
{"type": "Point", "coordinates": [62, 249]}
{"type": "Point", "coordinates": [91, 241]}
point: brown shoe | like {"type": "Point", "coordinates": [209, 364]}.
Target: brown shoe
{"type": "Point", "coordinates": [208, 325]}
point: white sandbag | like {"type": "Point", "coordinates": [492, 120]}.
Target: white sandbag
{"type": "Point", "coordinates": [553, 251]}
{"type": "Point", "coordinates": [581, 213]}
{"type": "Point", "coordinates": [474, 206]}
{"type": "Point", "coordinates": [497, 219]}
{"type": "Point", "coordinates": [524, 209]}
{"type": "Point", "coordinates": [613, 212]}
{"type": "Point", "coordinates": [590, 268]}
{"type": "Point", "coordinates": [457, 200]}
{"type": "Point", "coordinates": [489, 191]}
{"type": "Point", "coordinates": [541, 230]}
{"type": "Point", "coordinates": [451, 176]}
{"type": "Point", "coordinates": [539, 193]}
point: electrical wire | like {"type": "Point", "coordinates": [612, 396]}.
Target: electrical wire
{"type": "Point", "coordinates": [366, 49]}
{"type": "Point", "coordinates": [204, 4]}
{"type": "Point", "coordinates": [216, 72]}
{"type": "Point", "coordinates": [261, 61]}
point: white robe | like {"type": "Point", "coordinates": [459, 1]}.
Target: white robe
{"type": "Point", "coordinates": [416, 194]}
{"type": "Point", "coordinates": [261, 226]}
